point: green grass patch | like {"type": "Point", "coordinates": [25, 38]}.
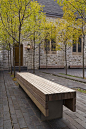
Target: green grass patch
{"type": "Point", "coordinates": [81, 90]}
{"type": "Point", "coordinates": [12, 75]}
{"type": "Point", "coordinates": [14, 79]}
{"type": "Point", "coordinates": [70, 75]}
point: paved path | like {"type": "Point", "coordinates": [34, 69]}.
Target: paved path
{"type": "Point", "coordinates": [74, 72]}
{"type": "Point", "coordinates": [17, 111]}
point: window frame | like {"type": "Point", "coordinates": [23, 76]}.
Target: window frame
{"type": "Point", "coordinates": [50, 51]}
{"type": "Point", "coordinates": [78, 53]}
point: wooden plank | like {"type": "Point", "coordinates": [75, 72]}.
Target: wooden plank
{"type": "Point", "coordinates": [41, 101]}
{"type": "Point", "coordinates": [61, 96]}
{"type": "Point", "coordinates": [44, 90]}
{"type": "Point", "coordinates": [60, 88]}
{"type": "Point", "coordinates": [36, 85]}
{"type": "Point", "coordinates": [46, 86]}
{"type": "Point", "coordinates": [43, 86]}
{"type": "Point", "coordinates": [42, 109]}
{"type": "Point", "coordinates": [76, 66]}
{"type": "Point", "coordinates": [57, 66]}
{"type": "Point", "coordinates": [40, 93]}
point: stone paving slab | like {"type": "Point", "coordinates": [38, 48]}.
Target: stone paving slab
{"type": "Point", "coordinates": [17, 111]}
{"type": "Point", "coordinates": [74, 73]}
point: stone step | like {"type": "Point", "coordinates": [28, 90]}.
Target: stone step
{"type": "Point", "coordinates": [23, 68]}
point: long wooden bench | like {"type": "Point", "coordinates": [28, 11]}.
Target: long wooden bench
{"type": "Point", "coordinates": [52, 67]}
{"type": "Point", "coordinates": [48, 96]}
{"type": "Point", "coordinates": [76, 66]}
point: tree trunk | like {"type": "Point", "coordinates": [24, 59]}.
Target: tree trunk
{"type": "Point", "coordinates": [8, 61]}
{"type": "Point", "coordinates": [19, 57]}
{"type": "Point", "coordinates": [19, 43]}
{"type": "Point", "coordinates": [46, 55]}
{"type": "Point", "coordinates": [39, 55]}
{"type": "Point", "coordinates": [34, 54]}
{"type": "Point", "coordinates": [14, 58]}
{"type": "Point", "coordinates": [83, 47]}
{"type": "Point", "coordinates": [83, 58]}
{"type": "Point", "coordinates": [3, 57]}
{"type": "Point", "coordinates": [66, 58]}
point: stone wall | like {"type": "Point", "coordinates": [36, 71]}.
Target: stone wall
{"type": "Point", "coordinates": [57, 59]}
{"type": "Point", "coordinates": [29, 58]}
{"type": "Point", "coordinates": [76, 59]}
{"type": "Point", "coordinates": [3, 59]}
{"type": "Point", "coordinates": [52, 59]}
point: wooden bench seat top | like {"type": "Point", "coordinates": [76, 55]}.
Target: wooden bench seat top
{"type": "Point", "coordinates": [44, 85]}
{"type": "Point", "coordinates": [76, 66]}
{"type": "Point", "coordinates": [43, 91]}
{"type": "Point", "coordinates": [51, 66]}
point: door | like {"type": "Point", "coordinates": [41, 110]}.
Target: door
{"type": "Point", "coordinates": [17, 55]}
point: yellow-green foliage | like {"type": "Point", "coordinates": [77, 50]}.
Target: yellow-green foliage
{"type": "Point", "coordinates": [13, 14]}
{"type": "Point", "coordinates": [73, 25]}
{"type": "Point", "coordinates": [34, 23]}
{"type": "Point", "coordinates": [74, 11]}
{"type": "Point", "coordinates": [66, 32]}
{"type": "Point", "coordinates": [21, 19]}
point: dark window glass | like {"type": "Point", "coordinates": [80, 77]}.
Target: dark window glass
{"type": "Point", "coordinates": [53, 45]}
{"type": "Point", "coordinates": [79, 45]}
{"type": "Point", "coordinates": [74, 47]}
{"type": "Point", "coordinates": [47, 45]}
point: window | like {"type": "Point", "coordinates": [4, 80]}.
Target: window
{"type": "Point", "coordinates": [77, 47]}
{"type": "Point", "coordinates": [50, 46]}
{"type": "Point", "coordinates": [47, 45]}
{"type": "Point", "coordinates": [53, 45]}
{"type": "Point", "coordinates": [50, 40]}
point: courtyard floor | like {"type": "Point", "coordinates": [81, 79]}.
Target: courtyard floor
{"type": "Point", "coordinates": [17, 111]}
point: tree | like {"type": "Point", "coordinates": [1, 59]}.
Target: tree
{"type": "Point", "coordinates": [66, 32]}
{"type": "Point", "coordinates": [10, 31]}
{"type": "Point", "coordinates": [5, 41]}
{"type": "Point", "coordinates": [17, 11]}
{"type": "Point", "coordinates": [75, 10]}
{"type": "Point", "coordinates": [49, 34]}
{"type": "Point", "coordinates": [34, 26]}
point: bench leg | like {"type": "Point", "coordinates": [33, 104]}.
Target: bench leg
{"type": "Point", "coordinates": [71, 104]}
{"type": "Point", "coordinates": [55, 110]}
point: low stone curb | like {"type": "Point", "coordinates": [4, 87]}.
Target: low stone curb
{"type": "Point", "coordinates": [67, 77]}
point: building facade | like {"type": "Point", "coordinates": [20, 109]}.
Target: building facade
{"type": "Point", "coordinates": [51, 59]}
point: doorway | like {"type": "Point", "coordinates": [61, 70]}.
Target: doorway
{"type": "Point", "coordinates": [17, 55]}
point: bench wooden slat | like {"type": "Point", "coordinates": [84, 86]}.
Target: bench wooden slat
{"type": "Point", "coordinates": [61, 96]}
{"type": "Point", "coordinates": [34, 93]}
{"type": "Point", "coordinates": [51, 86]}
{"type": "Point", "coordinates": [37, 86]}
{"type": "Point", "coordinates": [42, 109]}
{"type": "Point", "coordinates": [56, 96]}
{"type": "Point", "coordinates": [41, 94]}
{"type": "Point", "coordinates": [44, 92]}
{"type": "Point", "coordinates": [51, 66]}
{"type": "Point", "coordinates": [76, 66]}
